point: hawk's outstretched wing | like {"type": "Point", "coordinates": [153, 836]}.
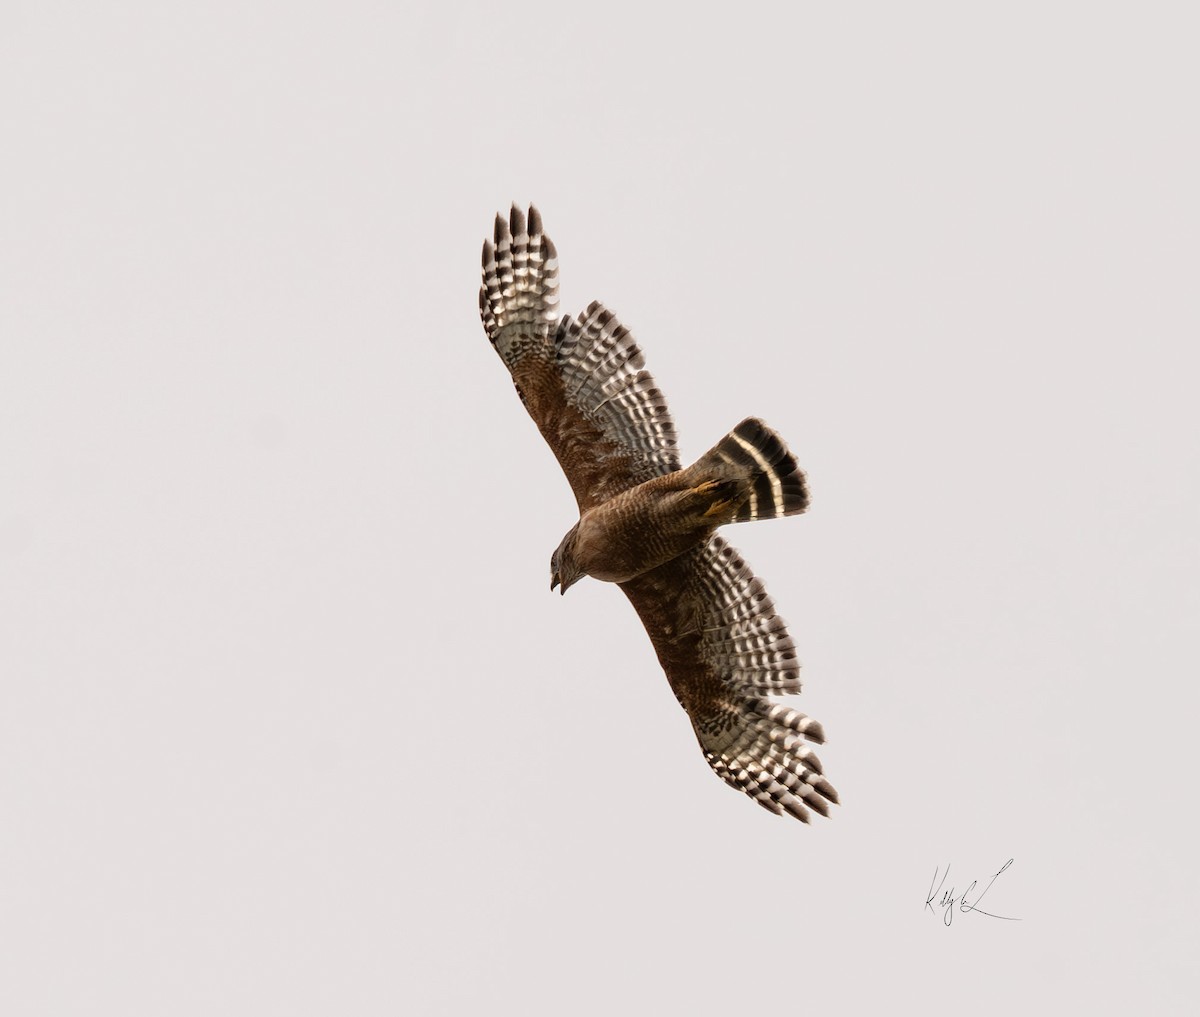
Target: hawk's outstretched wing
{"type": "Point", "coordinates": [582, 381]}
{"type": "Point", "coordinates": [711, 622]}
{"type": "Point", "coordinates": [725, 650]}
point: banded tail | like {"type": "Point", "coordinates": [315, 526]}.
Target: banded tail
{"type": "Point", "coordinates": [756, 458]}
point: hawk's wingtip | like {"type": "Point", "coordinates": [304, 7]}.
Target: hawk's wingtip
{"type": "Point", "coordinates": [516, 221]}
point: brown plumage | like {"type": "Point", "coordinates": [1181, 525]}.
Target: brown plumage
{"type": "Point", "coordinates": [649, 526]}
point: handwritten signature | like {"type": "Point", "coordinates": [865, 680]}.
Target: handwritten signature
{"type": "Point", "coordinates": [948, 900]}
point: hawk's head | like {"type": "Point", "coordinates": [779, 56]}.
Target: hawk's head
{"type": "Point", "coordinates": [565, 571]}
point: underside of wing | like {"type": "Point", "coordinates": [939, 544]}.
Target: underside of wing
{"type": "Point", "coordinates": [583, 381]}
{"type": "Point", "coordinates": [725, 651]}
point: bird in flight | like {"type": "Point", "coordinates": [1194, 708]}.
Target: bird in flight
{"type": "Point", "coordinates": [649, 525]}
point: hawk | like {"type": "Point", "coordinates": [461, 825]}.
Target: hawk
{"type": "Point", "coordinates": [649, 525]}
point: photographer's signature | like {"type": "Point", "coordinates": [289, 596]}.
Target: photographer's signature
{"type": "Point", "coordinates": [948, 901]}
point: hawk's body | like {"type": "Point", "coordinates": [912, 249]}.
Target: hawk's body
{"type": "Point", "coordinates": [649, 525]}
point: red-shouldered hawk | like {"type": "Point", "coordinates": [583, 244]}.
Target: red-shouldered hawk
{"type": "Point", "coordinates": [649, 526]}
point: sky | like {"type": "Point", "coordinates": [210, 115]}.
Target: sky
{"type": "Point", "coordinates": [290, 722]}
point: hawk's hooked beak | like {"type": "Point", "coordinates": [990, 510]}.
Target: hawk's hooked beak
{"type": "Point", "coordinates": [554, 582]}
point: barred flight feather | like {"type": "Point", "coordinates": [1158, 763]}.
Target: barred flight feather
{"type": "Point", "coordinates": [745, 639]}
{"type": "Point", "coordinates": [519, 297]}
{"type": "Point", "coordinates": [603, 371]}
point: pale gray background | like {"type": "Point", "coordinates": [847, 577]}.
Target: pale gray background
{"type": "Point", "coordinates": [290, 721]}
